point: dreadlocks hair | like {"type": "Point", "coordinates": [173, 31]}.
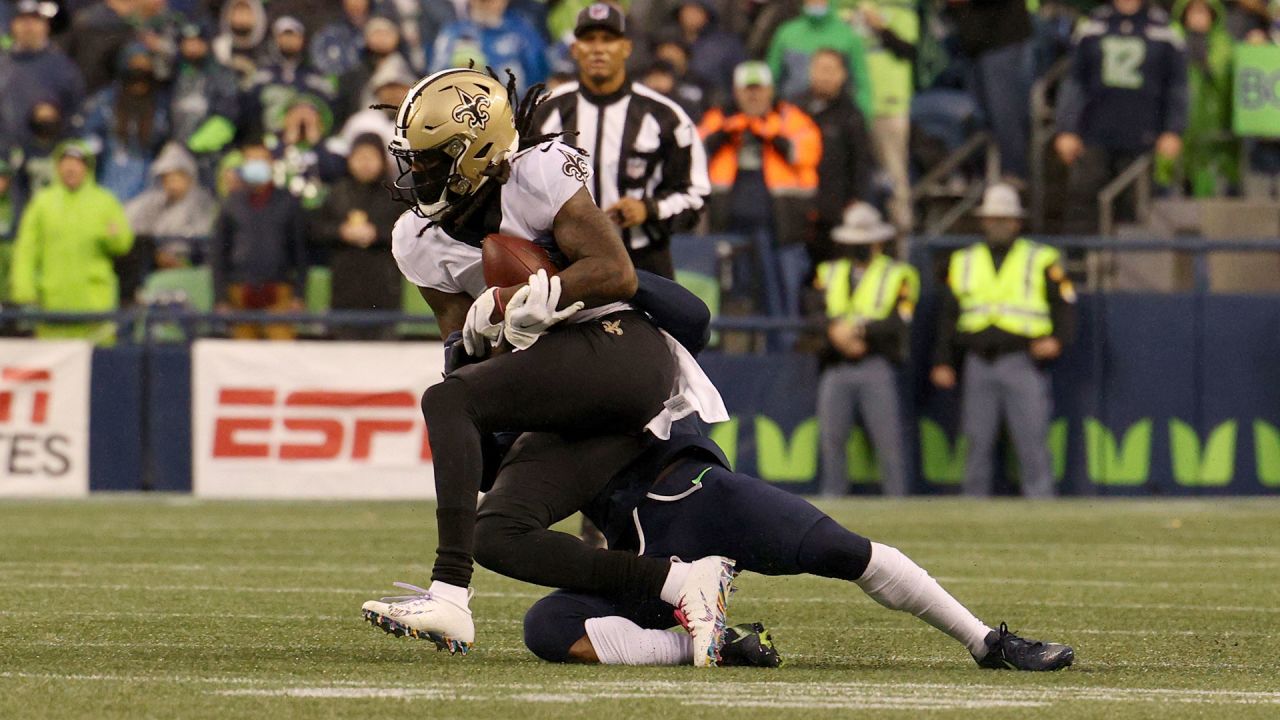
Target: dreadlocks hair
{"type": "Point", "coordinates": [525, 108]}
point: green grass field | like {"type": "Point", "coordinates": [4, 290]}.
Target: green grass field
{"type": "Point", "coordinates": [170, 607]}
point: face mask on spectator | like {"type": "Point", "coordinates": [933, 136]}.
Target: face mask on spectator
{"type": "Point", "coordinates": [136, 76]}
{"type": "Point", "coordinates": [256, 172]}
{"type": "Point", "coordinates": [46, 128]}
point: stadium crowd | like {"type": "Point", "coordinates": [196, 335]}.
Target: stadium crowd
{"type": "Point", "coordinates": [239, 134]}
{"type": "Point", "coordinates": [248, 140]}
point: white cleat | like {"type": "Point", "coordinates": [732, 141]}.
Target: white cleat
{"type": "Point", "coordinates": [424, 616]}
{"type": "Point", "coordinates": [701, 609]}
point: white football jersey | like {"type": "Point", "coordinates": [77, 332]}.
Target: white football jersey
{"type": "Point", "coordinates": [542, 180]}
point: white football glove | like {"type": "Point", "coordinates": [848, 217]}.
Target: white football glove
{"type": "Point", "coordinates": [478, 333]}
{"type": "Point", "coordinates": [532, 311]}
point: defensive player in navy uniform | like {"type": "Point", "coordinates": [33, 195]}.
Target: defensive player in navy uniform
{"type": "Point", "coordinates": [584, 362]}
{"type": "Point", "coordinates": [679, 498]}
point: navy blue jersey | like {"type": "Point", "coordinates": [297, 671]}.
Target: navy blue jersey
{"type": "Point", "coordinates": [1128, 81]}
{"type": "Point", "coordinates": [611, 509]}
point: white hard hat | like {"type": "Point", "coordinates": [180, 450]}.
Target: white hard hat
{"type": "Point", "coordinates": [1000, 201]}
{"type": "Point", "coordinates": [862, 225]}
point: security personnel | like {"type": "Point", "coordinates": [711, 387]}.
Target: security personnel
{"type": "Point", "coordinates": [870, 299]}
{"type": "Point", "coordinates": [649, 166]}
{"type": "Point", "coordinates": [1008, 305]}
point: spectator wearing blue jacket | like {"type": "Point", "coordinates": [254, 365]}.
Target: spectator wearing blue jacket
{"type": "Point", "coordinates": [127, 123]}
{"type": "Point", "coordinates": [1125, 95]}
{"type": "Point", "coordinates": [713, 53]}
{"type": "Point", "coordinates": [494, 36]}
{"type": "Point", "coordinates": [336, 48]}
{"type": "Point", "coordinates": [34, 70]}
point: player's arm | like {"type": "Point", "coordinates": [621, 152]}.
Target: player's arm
{"type": "Point", "coordinates": [600, 272]}
{"type": "Point", "coordinates": [450, 309]}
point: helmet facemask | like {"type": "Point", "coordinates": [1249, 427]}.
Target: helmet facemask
{"type": "Point", "coordinates": [429, 180]}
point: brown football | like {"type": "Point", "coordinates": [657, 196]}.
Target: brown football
{"type": "Point", "coordinates": [511, 260]}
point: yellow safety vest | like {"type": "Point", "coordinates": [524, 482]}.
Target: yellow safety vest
{"type": "Point", "coordinates": [1014, 300]}
{"type": "Point", "coordinates": [876, 294]}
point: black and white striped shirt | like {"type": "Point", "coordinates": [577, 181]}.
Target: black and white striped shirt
{"type": "Point", "coordinates": [641, 145]}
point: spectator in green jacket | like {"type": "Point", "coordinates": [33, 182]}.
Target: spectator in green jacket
{"type": "Point", "coordinates": [8, 225]}
{"type": "Point", "coordinates": [892, 29]}
{"type": "Point", "coordinates": [817, 28]}
{"type": "Point", "coordinates": [69, 236]}
{"type": "Point", "coordinates": [1211, 154]}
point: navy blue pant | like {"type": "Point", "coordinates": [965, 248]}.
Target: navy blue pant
{"type": "Point", "coordinates": [698, 510]}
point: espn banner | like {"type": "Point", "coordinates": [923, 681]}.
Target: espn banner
{"type": "Point", "coordinates": [312, 419]}
{"type": "Point", "coordinates": [44, 418]}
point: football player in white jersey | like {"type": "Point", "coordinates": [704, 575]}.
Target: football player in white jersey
{"type": "Point", "coordinates": [585, 363]}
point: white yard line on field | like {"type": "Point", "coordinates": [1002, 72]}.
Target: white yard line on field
{"type": "Point", "coordinates": [774, 691]}
{"type": "Point", "coordinates": [777, 694]}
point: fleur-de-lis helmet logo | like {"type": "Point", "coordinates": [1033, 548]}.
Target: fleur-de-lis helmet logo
{"type": "Point", "coordinates": [471, 109]}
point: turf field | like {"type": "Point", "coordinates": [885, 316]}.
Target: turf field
{"type": "Point", "coordinates": [169, 607]}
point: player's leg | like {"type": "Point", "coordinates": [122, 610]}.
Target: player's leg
{"type": "Point", "coordinates": [546, 479]}
{"type": "Point", "coordinates": [1028, 407]}
{"type": "Point", "coordinates": [979, 423]}
{"type": "Point", "coordinates": [836, 396]}
{"type": "Point", "coordinates": [579, 627]}
{"type": "Point", "coordinates": [573, 627]}
{"type": "Point", "coordinates": [576, 379]}
{"type": "Point", "coordinates": [774, 532]}
{"type": "Point", "coordinates": [878, 408]}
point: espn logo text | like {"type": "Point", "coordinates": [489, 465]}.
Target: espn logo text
{"type": "Point", "coordinates": [27, 444]}
{"type": "Point", "coordinates": [318, 425]}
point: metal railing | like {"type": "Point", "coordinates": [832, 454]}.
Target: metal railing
{"type": "Point", "coordinates": [1043, 130]}
{"type": "Point", "coordinates": [935, 182]}
{"type": "Point", "coordinates": [1137, 176]}
{"type": "Point", "coordinates": [138, 322]}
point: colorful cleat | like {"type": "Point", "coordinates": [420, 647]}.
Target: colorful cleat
{"type": "Point", "coordinates": [701, 608]}
{"type": "Point", "coordinates": [423, 616]}
{"type": "Point", "coordinates": [1006, 651]}
{"type": "Point", "coordinates": [749, 645]}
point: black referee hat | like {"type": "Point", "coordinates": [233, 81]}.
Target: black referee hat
{"type": "Point", "coordinates": [600, 16]}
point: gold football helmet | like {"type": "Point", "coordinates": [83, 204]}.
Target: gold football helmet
{"type": "Point", "coordinates": [451, 128]}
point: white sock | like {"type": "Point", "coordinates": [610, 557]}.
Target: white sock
{"type": "Point", "coordinates": [897, 583]}
{"type": "Point", "coordinates": [454, 594]}
{"type": "Point", "coordinates": [618, 641]}
{"type": "Point", "coordinates": [675, 580]}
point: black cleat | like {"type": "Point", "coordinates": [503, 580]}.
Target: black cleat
{"type": "Point", "coordinates": [1007, 651]}
{"type": "Point", "coordinates": [749, 645]}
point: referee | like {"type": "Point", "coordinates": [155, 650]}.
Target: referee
{"type": "Point", "coordinates": [650, 167]}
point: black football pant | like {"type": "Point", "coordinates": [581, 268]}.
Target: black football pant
{"type": "Point", "coordinates": [545, 479]}
{"type": "Point", "coordinates": [608, 376]}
